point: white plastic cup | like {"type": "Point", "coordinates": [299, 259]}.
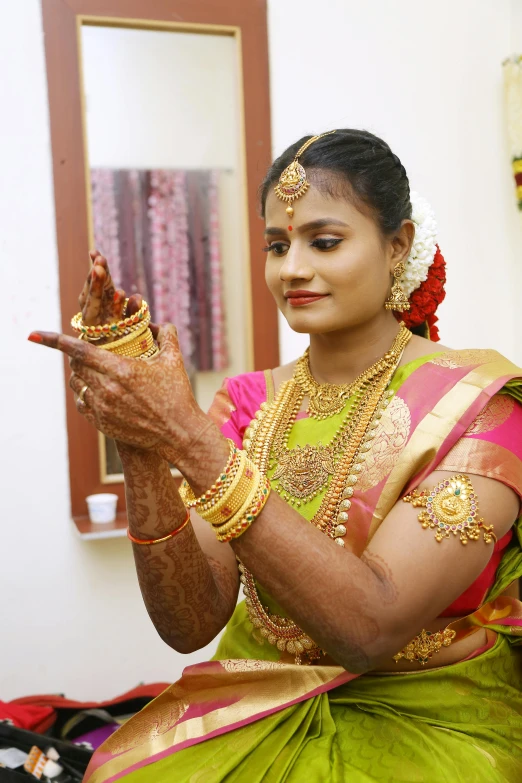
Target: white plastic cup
{"type": "Point", "coordinates": [102, 507]}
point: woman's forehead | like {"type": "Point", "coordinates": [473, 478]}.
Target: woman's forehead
{"type": "Point", "coordinates": [314, 205]}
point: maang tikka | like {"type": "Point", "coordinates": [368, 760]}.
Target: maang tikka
{"type": "Point", "coordinates": [292, 182]}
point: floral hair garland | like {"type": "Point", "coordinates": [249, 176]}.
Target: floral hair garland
{"type": "Point", "coordinates": [425, 274]}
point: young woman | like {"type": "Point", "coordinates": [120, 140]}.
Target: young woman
{"type": "Point", "coordinates": [377, 638]}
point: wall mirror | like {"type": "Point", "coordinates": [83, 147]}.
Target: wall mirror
{"type": "Point", "coordinates": [164, 163]}
{"type": "Point", "coordinates": [159, 145]}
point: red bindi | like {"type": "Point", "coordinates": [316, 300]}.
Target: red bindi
{"type": "Point", "coordinates": [290, 228]}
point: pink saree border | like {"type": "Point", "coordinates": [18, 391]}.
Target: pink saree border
{"type": "Point", "coordinates": [336, 682]}
{"type": "Point", "coordinates": [460, 428]}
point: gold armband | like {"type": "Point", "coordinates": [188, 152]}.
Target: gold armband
{"type": "Point", "coordinates": [451, 507]}
{"type": "Point", "coordinates": [425, 645]}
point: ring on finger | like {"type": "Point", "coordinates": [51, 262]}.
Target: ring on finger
{"type": "Point", "coordinates": [80, 402]}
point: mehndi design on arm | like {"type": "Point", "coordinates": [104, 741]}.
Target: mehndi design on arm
{"type": "Point", "coordinates": [451, 507]}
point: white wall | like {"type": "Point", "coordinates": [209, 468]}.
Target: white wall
{"type": "Point", "coordinates": [71, 619]}
{"type": "Point", "coordinates": [427, 77]}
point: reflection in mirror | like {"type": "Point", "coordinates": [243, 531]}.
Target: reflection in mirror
{"type": "Point", "coordinates": [165, 165]}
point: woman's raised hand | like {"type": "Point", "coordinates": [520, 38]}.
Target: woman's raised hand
{"type": "Point", "coordinates": [145, 404]}
{"type": "Point", "coordinates": [100, 302]}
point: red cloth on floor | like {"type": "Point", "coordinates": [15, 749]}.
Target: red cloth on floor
{"type": "Point", "coordinates": [28, 716]}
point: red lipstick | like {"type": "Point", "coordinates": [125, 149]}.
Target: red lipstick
{"type": "Point", "coordinates": [300, 297]}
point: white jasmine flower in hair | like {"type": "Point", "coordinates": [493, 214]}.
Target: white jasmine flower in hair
{"type": "Point", "coordinates": [424, 245]}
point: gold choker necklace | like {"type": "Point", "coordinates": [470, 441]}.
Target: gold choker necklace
{"type": "Point", "coordinates": [328, 399]}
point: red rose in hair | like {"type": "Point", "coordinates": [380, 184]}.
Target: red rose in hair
{"type": "Point", "coordinates": [427, 297]}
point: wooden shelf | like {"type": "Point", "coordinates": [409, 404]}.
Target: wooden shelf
{"type": "Point", "coordinates": [91, 531]}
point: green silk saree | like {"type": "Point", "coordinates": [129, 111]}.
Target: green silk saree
{"type": "Point", "coordinates": [246, 716]}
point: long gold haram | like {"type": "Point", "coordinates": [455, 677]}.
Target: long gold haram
{"type": "Point", "coordinates": [302, 472]}
{"type": "Point", "coordinates": [333, 512]}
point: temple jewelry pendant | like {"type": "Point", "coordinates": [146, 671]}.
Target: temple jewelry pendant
{"type": "Point", "coordinates": [329, 400]}
{"type": "Point", "coordinates": [292, 184]}
{"type": "Point", "coordinates": [426, 645]}
{"type": "Point", "coordinates": [452, 507]}
{"type": "Point", "coordinates": [302, 472]}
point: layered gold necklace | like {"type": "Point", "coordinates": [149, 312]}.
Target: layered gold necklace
{"type": "Point", "coordinates": [302, 472]}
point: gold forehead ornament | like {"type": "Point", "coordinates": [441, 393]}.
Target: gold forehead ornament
{"type": "Point", "coordinates": [292, 182]}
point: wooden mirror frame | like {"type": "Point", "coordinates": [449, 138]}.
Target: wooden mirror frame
{"type": "Point", "coordinates": [61, 24]}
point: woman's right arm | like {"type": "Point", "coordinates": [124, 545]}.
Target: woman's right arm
{"type": "Point", "coordinates": [190, 582]}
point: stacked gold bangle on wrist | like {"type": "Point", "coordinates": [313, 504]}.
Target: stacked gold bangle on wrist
{"type": "Point", "coordinates": [133, 345]}
{"type": "Point", "coordinates": [218, 487]}
{"type": "Point", "coordinates": [235, 499]}
{"type": "Point", "coordinates": [247, 513]}
{"type": "Point", "coordinates": [134, 339]}
{"type": "Point", "coordinates": [116, 329]}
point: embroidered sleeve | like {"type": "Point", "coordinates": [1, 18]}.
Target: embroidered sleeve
{"type": "Point", "coordinates": [236, 403]}
{"type": "Point", "coordinates": [492, 445]}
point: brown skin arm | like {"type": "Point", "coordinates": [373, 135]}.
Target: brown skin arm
{"type": "Point", "coordinates": [189, 583]}
{"type": "Point", "coordinates": [362, 611]}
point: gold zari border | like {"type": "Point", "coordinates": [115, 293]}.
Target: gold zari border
{"type": "Point", "coordinates": [432, 431]}
{"type": "Point", "coordinates": [278, 687]}
{"type": "Point", "coordinates": [482, 458]}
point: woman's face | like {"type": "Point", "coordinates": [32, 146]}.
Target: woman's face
{"type": "Point", "coordinates": [333, 270]}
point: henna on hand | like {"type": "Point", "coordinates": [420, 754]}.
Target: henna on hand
{"type": "Point", "coordinates": [100, 302]}
{"type": "Point", "coordinates": [188, 596]}
{"type": "Point", "coordinates": [126, 396]}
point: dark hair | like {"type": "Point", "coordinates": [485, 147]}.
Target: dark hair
{"type": "Point", "coordinates": [363, 166]}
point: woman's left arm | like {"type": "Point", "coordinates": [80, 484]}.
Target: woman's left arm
{"type": "Point", "coordinates": [361, 609]}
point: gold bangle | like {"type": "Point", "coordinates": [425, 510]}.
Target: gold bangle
{"type": "Point", "coordinates": [251, 515]}
{"type": "Point", "coordinates": [216, 510]}
{"type": "Point", "coordinates": [112, 338]}
{"type": "Point", "coordinates": [235, 502]}
{"type": "Point", "coordinates": [241, 507]}
{"type": "Point", "coordinates": [241, 511]}
{"type": "Point", "coordinates": [187, 495]}
{"type": "Point", "coordinates": [235, 496]}
{"type": "Point", "coordinates": [150, 541]}
{"type": "Point", "coordinates": [132, 346]}
{"type": "Point", "coordinates": [236, 465]}
{"type": "Point", "coordinates": [106, 330]}
{"type": "Point", "coordinates": [126, 338]}
{"type": "Point", "coordinates": [150, 353]}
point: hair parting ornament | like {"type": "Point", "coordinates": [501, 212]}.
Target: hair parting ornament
{"type": "Point", "coordinates": [292, 182]}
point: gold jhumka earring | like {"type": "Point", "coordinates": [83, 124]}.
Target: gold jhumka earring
{"type": "Point", "coordinates": [397, 300]}
{"type": "Point", "coordinates": [292, 182]}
